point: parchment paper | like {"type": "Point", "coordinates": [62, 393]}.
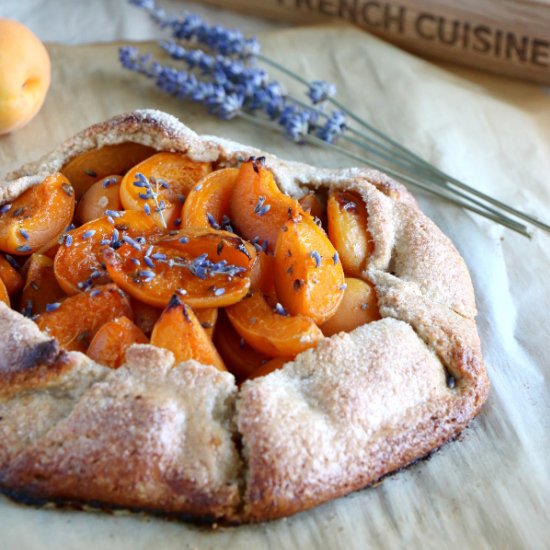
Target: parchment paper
{"type": "Point", "coordinates": [489, 489]}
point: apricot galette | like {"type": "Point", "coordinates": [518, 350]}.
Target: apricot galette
{"type": "Point", "coordinates": [202, 329]}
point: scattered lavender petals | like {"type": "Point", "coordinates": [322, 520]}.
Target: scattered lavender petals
{"type": "Point", "coordinates": [316, 256]}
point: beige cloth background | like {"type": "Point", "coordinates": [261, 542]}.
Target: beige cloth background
{"type": "Point", "coordinates": [490, 489]}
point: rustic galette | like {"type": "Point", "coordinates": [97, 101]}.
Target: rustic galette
{"type": "Point", "coordinates": [201, 329]}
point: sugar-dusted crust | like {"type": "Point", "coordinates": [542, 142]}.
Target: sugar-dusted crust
{"type": "Point", "coordinates": [186, 440]}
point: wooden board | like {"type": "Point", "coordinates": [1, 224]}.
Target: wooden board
{"type": "Point", "coordinates": [510, 37]}
{"type": "Point", "coordinates": [490, 489]}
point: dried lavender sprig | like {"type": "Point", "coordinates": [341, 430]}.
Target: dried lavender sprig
{"type": "Point", "coordinates": [502, 220]}
{"type": "Point", "coordinates": [143, 181]}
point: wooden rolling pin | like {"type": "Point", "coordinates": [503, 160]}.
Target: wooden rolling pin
{"type": "Point", "coordinates": [509, 37]}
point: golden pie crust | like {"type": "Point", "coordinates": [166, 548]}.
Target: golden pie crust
{"type": "Point", "coordinates": [187, 441]}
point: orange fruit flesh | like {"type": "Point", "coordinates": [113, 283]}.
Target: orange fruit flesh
{"type": "Point", "coordinates": [278, 286]}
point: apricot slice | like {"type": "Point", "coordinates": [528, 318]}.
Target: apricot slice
{"type": "Point", "coordinates": [179, 331]}
{"type": "Point", "coordinates": [41, 287]}
{"type": "Point", "coordinates": [347, 229]}
{"type": "Point", "coordinates": [258, 208]}
{"type": "Point", "coordinates": [145, 316]}
{"type": "Point", "coordinates": [358, 307]}
{"type": "Point", "coordinates": [312, 204]}
{"type": "Point", "coordinates": [78, 262]}
{"type": "Point", "coordinates": [270, 366]}
{"type": "Point", "coordinates": [308, 274]}
{"type": "Point", "coordinates": [37, 216]}
{"type": "Point", "coordinates": [96, 164]}
{"type": "Point", "coordinates": [208, 202]}
{"type": "Point", "coordinates": [207, 318]}
{"type": "Point", "coordinates": [75, 321]}
{"type": "Point", "coordinates": [272, 331]}
{"type": "Point", "coordinates": [240, 358]}
{"type": "Point", "coordinates": [108, 346]}
{"type": "Point", "coordinates": [160, 184]}
{"type": "Point", "coordinates": [263, 276]}
{"type": "Point", "coordinates": [102, 195]}
{"type": "Point", "coordinates": [4, 296]}
{"type": "Point", "coordinates": [10, 276]}
{"type": "Point", "coordinates": [206, 267]}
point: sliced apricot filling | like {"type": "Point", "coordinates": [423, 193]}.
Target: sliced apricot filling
{"type": "Point", "coordinates": [160, 184]}
{"type": "Point", "coordinates": [79, 263]}
{"type": "Point", "coordinates": [219, 266]}
{"type": "Point", "coordinates": [101, 196]}
{"type": "Point", "coordinates": [41, 287]}
{"type": "Point", "coordinates": [87, 168]}
{"type": "Point", "coordinates": [207, 268]}
{"type": "Point", "coordinates": [272, 330]}
{"type": "Point", "coordinates": [179, 331]}
{"type": "Point", "coordinates": [347, 229]}
{"type": "Point", "coordinates": [9, 273]}
{"type": "Point", "coordinates": [259, 209]}
{"type": "Point", "coordinates": [75, 320]}
{"type": "Point", "coordinates": [207, 204]}
{"type": "Point", "coordinates": [36, 217]}
{"type": "Point", "coordinates": [308, 274]}
{"type": "Point", "coordinates": [110, 342]}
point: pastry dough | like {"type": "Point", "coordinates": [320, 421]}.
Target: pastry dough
{"type": "Point", "coordinates": [187, 441]}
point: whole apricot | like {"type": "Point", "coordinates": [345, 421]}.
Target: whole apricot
{"type": "Point", "coordinates": [24, 75]}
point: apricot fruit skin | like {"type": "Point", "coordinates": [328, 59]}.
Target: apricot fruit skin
{"type": "Point", "coordinates": [179, 330]}
{"type": "Point", "coordinates": [38, 216]}
{"type": "Point", "coordinates": [41, 287]}
{"type": "Point", "coordinates": [75, 321]}
{"type": "Point", "coordinates": [93, 165]}
{"type": "Point", "coordinates": [258, 207]}
{"type": "Point", "coordinates": [358, 307]}
{"type": "Point", "coordinates": [271, 333]}
{"type": "Point", "coordinates": [308, 274]}
{"type": "Point", "coordinates": [348, 230]}
{"type": "Point", "coordinates": [25, 74]}
{"type": "Point", "coordinates": [171, 177]}
{"type": "Point", "coordinates": [108, 346]}
{"type": "Point", "coordinates": [101, 196]}
{"type": "Point", "coordinates": [10, 276]}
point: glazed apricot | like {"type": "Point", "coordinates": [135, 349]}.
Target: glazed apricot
{"type": "Point", "coordinates": [179, 331]}
{"type": "Point", "coordinates": [145, 316]}
{"type": "Point", "coordinates": [160, 184]}
{"type": "Point", "coordinates": [311, 203]}
{"type": "Point", "coordinates": [263, 276]}
{"type": "Point", "coordinates": [206, 267]}
{"type": "Point", "coordinates": [37, 216]}
{"type": "Point", "coordinates": [258, 208]}
{"type": "Point", "coordinates": [75, 321]}
{"type": "Point", "coordinates": [91, 166]}
{"type": "Point", "coordinates": [207, 203]}
{"type": "Point", "coordinates": [207, 318]}
{"type": "Point", "coordinates": [347, 229]}
{"type": "Point", "coordinates": [308, 275]}
{"type": "Point", "coordinates": [358, 307]}
{"type": "Point", "coordinates": [102, 195]}
{"type": "Point", "coordinates": [240, 358]}
{"type": "Point", "coordinates": [79, 264]}
{"type": "Point", "coordinates": [272, 331]}
{"type": "Point", "coordinates": [41, 287]}
{"type": "Point", "coordinates": [4, 296]}
{"type": "Point", "coordinates": [108, 346]}
{"type": "Point", "coordinates": [10, 276]}
{"type": "Point", "coordinates": [272, 365]}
